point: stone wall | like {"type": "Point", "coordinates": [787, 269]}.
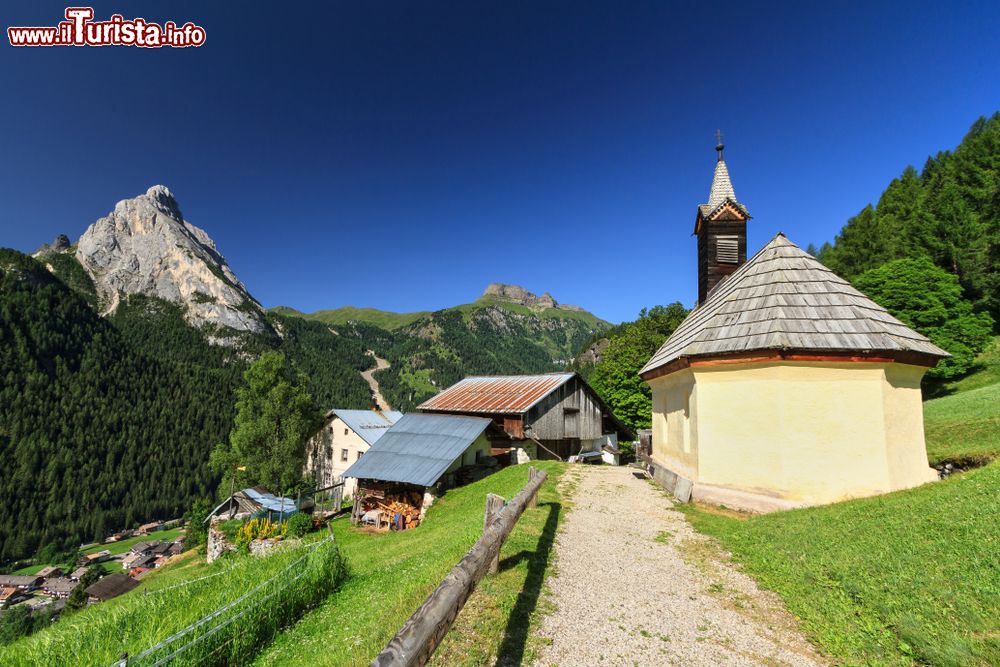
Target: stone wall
{"type": "Point", "coordinates": [218, 544]}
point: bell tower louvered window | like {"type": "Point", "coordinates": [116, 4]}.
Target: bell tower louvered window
{"type": "Point", "coordinates": [727, 249]}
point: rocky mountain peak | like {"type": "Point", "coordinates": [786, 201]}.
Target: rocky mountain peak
{"type": "Point", "coordinates": [519, 295]}
{"type": "Point", "coordinates": [145, 246]}
{"type": "Point", "coordinates": [60, 244]}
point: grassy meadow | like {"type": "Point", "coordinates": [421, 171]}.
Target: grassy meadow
{"type": "Point", "coordinates": [963, 426]}
{"type": "Point", "coordinates": [907, 578]}
{"type": "Point", "coordinates": [180, 596]}
{"type": "Point", "coordinates": [392, 574]}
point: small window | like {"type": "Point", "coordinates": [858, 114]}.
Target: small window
{"type": "Point", "coordinates": [343, 454]}
{"type": "Point", "coordinates": [727, 249]}
{"type": "Point", "coordinates": [345, 431]}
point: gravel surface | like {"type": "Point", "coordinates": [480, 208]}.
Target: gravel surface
{"type": "Point", "coordinates": [636, 585]}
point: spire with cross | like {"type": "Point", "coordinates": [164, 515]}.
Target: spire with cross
{"type": "Point", "coordinates": [718, 143]}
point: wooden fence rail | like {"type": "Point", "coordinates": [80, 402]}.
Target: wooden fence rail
{"type": "Point", "coordinates": [417, 640]}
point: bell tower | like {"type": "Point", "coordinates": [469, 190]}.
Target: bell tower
{"type": "Point", "coordinates": [721, 228]}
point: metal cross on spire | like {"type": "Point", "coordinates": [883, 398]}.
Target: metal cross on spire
{"type": "Point", "coordinates": [718, 143]}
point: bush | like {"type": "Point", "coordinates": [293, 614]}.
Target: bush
{"type": "Point", "coordinates": [298, 525]}
{"type": "Point", "coordinates": [258, 529]}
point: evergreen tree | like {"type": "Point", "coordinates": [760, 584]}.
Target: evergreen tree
{"type": "Point", "coordinates": [275, 415]}
{"type": "Point", "coordinates": [949, 213]}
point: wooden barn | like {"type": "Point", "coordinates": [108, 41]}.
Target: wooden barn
{"type": "Point", "coordinates": [549, 416]}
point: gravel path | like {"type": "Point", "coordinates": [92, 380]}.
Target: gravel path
{"type": "Point", "coordinates": [636, 585]}
{"type": "Point", "coordinates": [369, 376]}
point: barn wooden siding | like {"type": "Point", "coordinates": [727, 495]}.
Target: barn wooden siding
{"type": "Point", "coordinates": [565, 418]}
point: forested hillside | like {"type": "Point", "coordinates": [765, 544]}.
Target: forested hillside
{"type": "Point", "coordinates": [949, 212]}
{"type": "Point", "coordinates": [437, 351]}
{"type": "Point", "coordinates": [496, 334]}
{"type": "Point", "coordinates": [94, 434]}
{"type": "Point", "coordinates": [109, 422]}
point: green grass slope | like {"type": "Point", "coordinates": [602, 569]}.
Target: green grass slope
{"type": "Point", "coordinates": [383, 319]}
{"type": "Point", "coordinates": [911, 577]}
{"type": "Point", "coordinates": [964, 426]}
{"type": "Point", "coordinates": [392, 574]}
{"type": "Point", "coordinates": [140, 620]}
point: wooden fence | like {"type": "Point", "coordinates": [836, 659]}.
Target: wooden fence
{"type": "Point", "coordinates": [417, 640]}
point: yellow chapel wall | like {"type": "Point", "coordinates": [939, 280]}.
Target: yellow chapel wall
{"type": "Point", "coordinates": [810, 432]}
{"type": "Point", "coordinates": [904, 410]}
{"type": "Point", "coordinates": [675, 433]}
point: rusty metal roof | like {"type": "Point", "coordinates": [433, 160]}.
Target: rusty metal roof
{"type": "Point", "coordinates": [509, 394]}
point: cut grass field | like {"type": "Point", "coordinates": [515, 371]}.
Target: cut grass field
{"type": "Point", "coordinates": [910, 577]}
{"type": "Point", "coordinates": [964, 428]}
{"type": "Point", "coordinates": [392, 574]}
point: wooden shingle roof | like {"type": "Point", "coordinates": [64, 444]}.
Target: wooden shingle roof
{"type": "Point", "coordinates": [721, 192]}
{"type": "Point", "coordinates": [784, 300]}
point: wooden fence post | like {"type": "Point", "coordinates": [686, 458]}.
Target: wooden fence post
{"type": "Point", "coordinates": [494, 504]}
{"type": "Point", "coordinates": [532, 475]}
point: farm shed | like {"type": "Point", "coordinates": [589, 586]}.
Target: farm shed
{"type": "Point", "coordinates": [252, 503]}
{"type": "Point", "coordinates": [786, 386]}
{"type": "Point", "coordinates": [419, 453]}
{"type": "Point", "coordinates": [110, 586]}
{"type": "Point", "coordinates": [553, 415]}
{"type": "Point", "coordinates": [345, 437]}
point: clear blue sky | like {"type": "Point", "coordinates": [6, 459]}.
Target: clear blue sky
{"type": "Point", "coordinates": [402, 155]}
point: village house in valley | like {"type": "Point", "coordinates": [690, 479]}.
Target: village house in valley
{"type": "Point", "coordinates": [785, 386]}
{"type": "Point", "coordinates": [548, 416]}
{"type": "Point", "coordinates": [419, 456]}
{"type": "Point", "coordinates": [346, 435]}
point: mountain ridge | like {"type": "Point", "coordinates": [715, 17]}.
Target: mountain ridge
{"type": "Point", "coordinates": [511, 297]}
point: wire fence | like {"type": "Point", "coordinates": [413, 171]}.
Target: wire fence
{"type": "Point", "coordinates": [233, 632]}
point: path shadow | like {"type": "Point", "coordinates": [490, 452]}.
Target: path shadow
{"type": "Point", "coordinates": [515, 637]}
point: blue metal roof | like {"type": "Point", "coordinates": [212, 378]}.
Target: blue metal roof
{"type": "Point", "coordinates": [370, 425]}
{"type": "Point", "coordinates": [418, 449]}
{"type": "Point", "coordinates": [269, 501]}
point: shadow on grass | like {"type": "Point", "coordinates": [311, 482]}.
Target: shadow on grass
{"type": "Point", "coordinates": [515, 637]}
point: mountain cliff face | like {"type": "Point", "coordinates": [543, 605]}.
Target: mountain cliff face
{"type": "Point", "coordinates": [145, 246]}
{"type": "Point", "coordinates": [518, 295]}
